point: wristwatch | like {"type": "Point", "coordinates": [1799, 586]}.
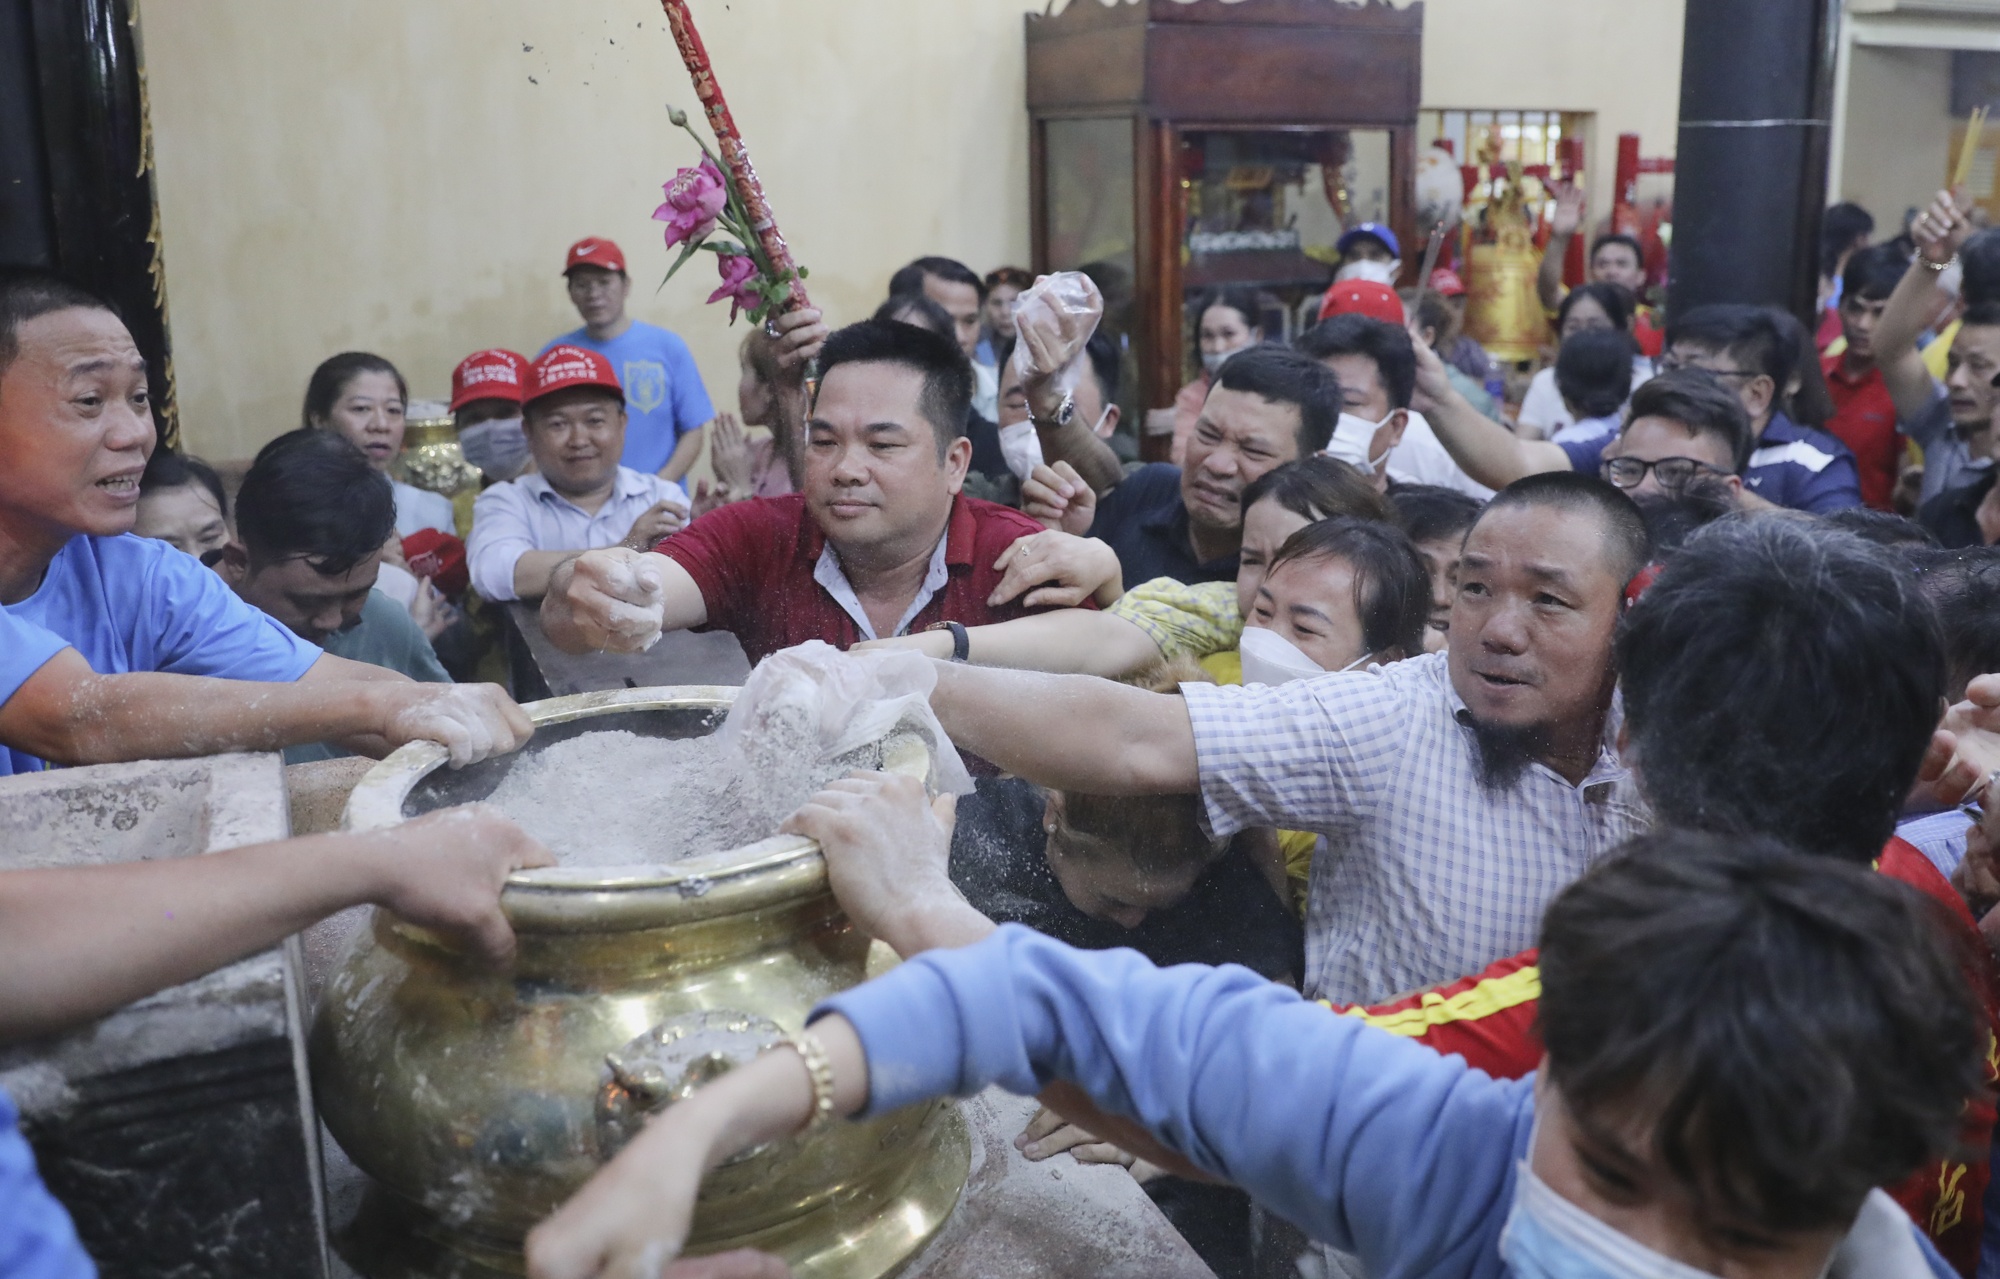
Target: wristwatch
{"type": "Point", "coordinates": [1065, 412]}
{"type": "Point", "coordinates": [961, 643]}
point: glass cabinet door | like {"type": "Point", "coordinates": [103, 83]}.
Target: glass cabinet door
{"type": "Point", "coordinates": [1264, 210]}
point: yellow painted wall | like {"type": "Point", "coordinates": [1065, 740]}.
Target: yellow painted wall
{"type": "Point", "coordinates": [1898, 139]}
{"type": "Point", "coordinates": [1618, 58]}
{"type": "Point", "coordinates": [403, 176]}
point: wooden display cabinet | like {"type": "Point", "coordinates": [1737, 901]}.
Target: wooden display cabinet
{"type": "Point", "coordinates": [1177, 146]}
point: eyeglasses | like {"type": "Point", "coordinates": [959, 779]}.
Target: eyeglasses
{"type": "Point", "coordinates": [1673, 472]}
{"type": "Point", "coordinates": [1674, 364]}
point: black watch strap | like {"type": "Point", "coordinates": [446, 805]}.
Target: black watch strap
{"type": "Point", "coordinates": [961, 643]}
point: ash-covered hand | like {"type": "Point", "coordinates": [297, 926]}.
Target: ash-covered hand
{"type": "Point", "coordinates": [472, 721]}
{"type": "Point", "coordinates": [887, 850]}
{"type": "Point", "coordinates": [444, 871]}
{"type": "Point", "coordinates": [1048, 1134]}
{"type": "Point", "coordinates": [610, 600]}
{"type": "Point", "coordinates": [1057, 570]}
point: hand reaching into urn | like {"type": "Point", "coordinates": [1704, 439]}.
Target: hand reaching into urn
{"type": "Point", "coordinates": [472, 721]}
{"type": "Point", "coordinates": [887, 848]}
{"type": "Point", "coordinates": [444, 871]}
{"type": "Point", "coordinates": [610, 600]}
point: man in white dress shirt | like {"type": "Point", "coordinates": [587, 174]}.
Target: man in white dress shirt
{"type": "Point", "coordinates": [580, 498]}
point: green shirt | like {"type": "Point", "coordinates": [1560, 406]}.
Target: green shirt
{"type": "Point", "coordinates": [386, 637]}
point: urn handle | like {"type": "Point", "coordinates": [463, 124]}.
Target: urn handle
{"type": "Point", "coordinates": [669, 1062]}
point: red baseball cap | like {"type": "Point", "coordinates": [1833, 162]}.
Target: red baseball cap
{"type": "Point", "coordinates": [594, 251]}
{"type": "Point", "coordinates": [1363, 297]}
{"type": "Point", "coordinates": [1445, 283]}
{"type": "Point", "coordinates": [563, 367]}
{"type": "Point", "coordinates": [488, 375]}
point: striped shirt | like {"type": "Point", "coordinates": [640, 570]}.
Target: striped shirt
{"type": "Point", "coordinates": [1422, 875]}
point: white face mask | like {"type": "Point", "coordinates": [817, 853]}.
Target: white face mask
{"type": "Point", "coordinates": [1373, 272]}
{"type": "Point", "coordinates": [1270, 658]}
{"type": "Point", "coordinates": [1548, 1237]}
{"type": "Point", "coordinates": [499, 447]}
{"type": "Point", "coordinates": [1352, 438]}
{"type": "Point", "coordinates": [1212, 361]}
{"type": "Point", "coordinates": [1022, 448]}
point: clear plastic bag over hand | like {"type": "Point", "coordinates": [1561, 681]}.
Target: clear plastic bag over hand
{"type": "Point", "coordinates": [858, 698]}
{"type": "Point", "coordinates": [1052, 320]}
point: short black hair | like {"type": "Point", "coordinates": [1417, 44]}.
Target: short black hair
{"type": "Point", "coordinates": [1594, 371]}
{"type": "Point", "coordinates": [1795, 1031]}
{"type": "Point", "coordinates": [1388, 345]}
{"type": "Point", "coordinates": [1626, 539]}
{"type": "Point", "coordinates": [1979, 260]}
{"type": "Point", "coordinates": [1673, 516]}
{"type": "Point", "coordinates": [1884, 528]}
{"type": "Point", "coordinates": [910, 279]}
{"type": "Point", "coordinates": [312, 495]}
{"type": "Point", "coordinates": [946, 398]}
{"type": "Point", "coordinates": [1431, 513]}
{"type": "Point", "coordinates": [1749, 335]}
{"type": "Point", "coordinates": [1964, 587]}
{"type": "Point", "coordinates": [28, 292]}
{"type": "Point", "coordinates": [1392, 586]}
{"type": "Point", "coordinates": [1319, 488]}
{"type": "Point", "coordinates": [330, 379]}
{"type": "Point", "coordinates": [1284, 376]}
{"type": "Point", "coordinates": [915, 308]}
{"type": "Point", "coordinates": [1619, 237]}
{"type": "Point", "coordinates": [1840, 226]}
{"type": "Point", "coordinates": [1616, 300]}
{"type": "Point", "coordinates": [1981, 315]}
{"type": "Point", "coordinates": [1809, 403]}
{"type": "Point", "coordinates": [167, 469]}
{"type": "Point", "coordinates": [1699, 401]}
{"type": "Point", "coordinates": [1433, 312]}
{"type": "Point", "coordinates": [1873, 273]}
{"type": "Point", "coordinates": [1782, 678]}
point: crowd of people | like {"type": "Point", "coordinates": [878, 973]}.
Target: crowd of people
{"type": "Point", "coordinates": [1414, 833]}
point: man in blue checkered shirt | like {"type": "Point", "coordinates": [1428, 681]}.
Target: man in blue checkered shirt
{"type": "Point", "coordinates": [1456, 793]}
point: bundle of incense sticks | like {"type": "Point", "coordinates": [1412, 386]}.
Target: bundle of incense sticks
{"type": "Point", "coordinates": [742, 174]}
{"type": "Point", "coordinates": [1968, 149]}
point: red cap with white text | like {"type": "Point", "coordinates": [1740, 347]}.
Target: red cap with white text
{"type": "Point", "coordinates": [594, 251]}
{"type": "Point", "coordinates": [488, 375]}
{"type": "Point", "coordinates": [563, 367]}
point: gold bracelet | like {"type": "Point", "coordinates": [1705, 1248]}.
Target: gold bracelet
{"type": "Point", "coordinates": [819, 1068]}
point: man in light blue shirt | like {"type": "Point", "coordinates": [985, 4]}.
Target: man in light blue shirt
{"type": "Point", "coordinates": [580, 497]}
{"type": "Point", "coordinates": [76, 428]}
{"type": "Point", "coordinates": [669, 407]}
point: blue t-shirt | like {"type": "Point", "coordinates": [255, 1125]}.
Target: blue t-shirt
{"type": "Point", "coordinates": [37, 1238]}
{"type": "Point", "coordinates": [1585, 441]}
{"type": "Point", "coordinates": [664, 397]}
{"type": "Point", "coordinates": [134, 604]}
{"type": "Point", "coordinates": [1803, 469]}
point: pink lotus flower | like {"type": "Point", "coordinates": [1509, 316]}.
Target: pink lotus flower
{"type": "Point", "coordinates": [739, 283]}
{"type": "Point", "coordinates": [694, 198]}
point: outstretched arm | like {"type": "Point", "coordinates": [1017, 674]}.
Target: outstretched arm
{"type": "Point", "coordinates": [69, 714]}
{"type": "Point", "coordinates": [1938, 232]}
{"type": "Point", "coordinates": [1074, 732]}
{"type": "Point", "coordinates": [1331, 1123]}
{"type": "Point", "coordinates": [1070, 641]}
{"type": "Point", "coordinates": [77, 942]}
{"type": "Point", "coordinates": [1483, 449]}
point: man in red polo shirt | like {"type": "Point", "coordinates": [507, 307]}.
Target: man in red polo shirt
{"type": "Point", "coordinates": [880, 542]}
{"type": "Point", "coordinates": [1864, 415]}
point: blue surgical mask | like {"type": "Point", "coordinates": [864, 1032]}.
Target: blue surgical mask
{"type": "Point", "coordinates": [1548, 1237]}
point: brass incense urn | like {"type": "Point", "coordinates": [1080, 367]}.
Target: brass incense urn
{"type": "Point", "coordinates": [432, 458]}
{"type": "Point", "coordinates": [479, 1100]}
